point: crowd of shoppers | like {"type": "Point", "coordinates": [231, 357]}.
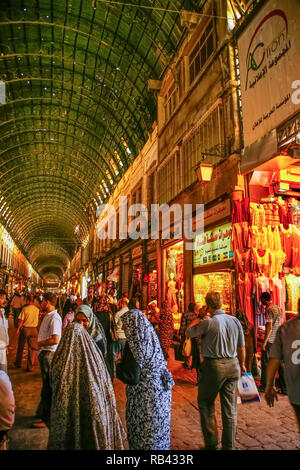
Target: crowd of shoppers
{"type": "Point", "coordinates": [78, 344]}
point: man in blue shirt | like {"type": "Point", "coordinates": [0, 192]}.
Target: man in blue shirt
{"type": "Point", "coordinates": [223, 350]}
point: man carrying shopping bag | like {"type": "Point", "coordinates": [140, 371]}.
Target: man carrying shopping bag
{"type": "Point", "coordinates": [223, 350]}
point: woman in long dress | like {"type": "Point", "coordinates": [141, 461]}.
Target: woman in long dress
{"type": "Point", "coordinates": [166, 328]}
{"type": "Point", "coordinates": [83, 410]}
{"type": "Point", "coordinates": [148, 407]}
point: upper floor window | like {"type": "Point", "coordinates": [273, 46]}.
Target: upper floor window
{"type": "Point", "coordinates": [171, 101]}
{"type": "Point", "coordinates": [201, 52]}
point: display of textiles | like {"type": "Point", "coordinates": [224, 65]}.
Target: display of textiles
{"type": "Point", "coordinates": [240, 210]}
{"type": "Point", "coordinates": [292, 292]}
{"type": "Point", "coordinates": [294, 210]}
{"type": "Point", "coordinates": [266, 246]}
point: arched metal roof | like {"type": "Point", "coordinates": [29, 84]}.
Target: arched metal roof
{"type": "Point", "coordinates": [77, 110]}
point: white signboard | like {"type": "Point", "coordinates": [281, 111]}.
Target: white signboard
{"type": "Point", "coordinates": [269, 57]}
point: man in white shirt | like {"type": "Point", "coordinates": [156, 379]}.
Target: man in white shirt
{"type": "Point", "coordinates": [48, 339]}
{"type": "Point", "coordinates": [7, 407]}
{"type": "Point", "coordinates": [121, 335]}
{"type": "Point", "coordinates": [4, 338]}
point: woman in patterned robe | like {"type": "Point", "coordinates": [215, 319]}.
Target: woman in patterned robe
{"type": "Point", "coordinates": [148, 407]}
{"type": "Point", "coordinates": [83, 411]}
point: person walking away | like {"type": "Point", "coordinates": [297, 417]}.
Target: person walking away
{"type": "Point", "coordinates": [197, 359]}
{"type": "Point", "coordinates": [165, 328]}
{"type": "Point", "coordinates": [273, 315]}
{"type": "Point", "coordinates": [148, 407]}
{"type": "Point", "coordinates": [123, 304]}
{"type": "Point", "coordinates": [186, 320]}
{"type": "Point", "coordinates": [250, 339]}
{"type": "Point", "coordinates": [105, 318]}
{"type": "Point", "coordinates": [7, 408]}
{"type": "Point", "coordinates": [37, 301]}
{"type": "Point", "coordinates": [4, 338]}
{"type": "Point", "coordinates": [16, 305]}
{"type": "Point", "coordinates": [48, 339]}
{"type": "Point", "coordinates": [84, 415]}
{"type": "Point", "coordinates": [223, 350]}
{"type": "Point", "coordinates": [27, 332]}
{"type": "Point", "coordinates": [153, 314]}
{"type": "Point", "coordinates": [69, 316]}
{"type": "Point", "coordinates": [286, 348]}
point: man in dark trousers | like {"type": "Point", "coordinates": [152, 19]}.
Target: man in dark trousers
{"type": "Point", "coordinates": [223, 350]}
{"type": "Point", "coordinates": [273, 315]}
{"type": "Point", "coordinates": [48, 339]}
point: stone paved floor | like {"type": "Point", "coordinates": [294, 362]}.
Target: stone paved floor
{"type": "Point", "coordinates": [259, 427]}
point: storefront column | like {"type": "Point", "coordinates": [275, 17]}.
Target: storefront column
{"type": "Point", "coordinates": [130, 272]}
{"type": "Point", "coordinates": [144, 270]}
{"type": "Point", "coordinates": [121, 276]}
{"type": "Point", "coordinates": [188, 276]}
{"type": "Point", "coordinates": [159, 272]}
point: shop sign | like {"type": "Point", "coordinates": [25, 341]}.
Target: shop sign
{"type": "Point", "coordinates": [217, 212]}
{"type": "Point", "coordinates": [213, 246]}
{"type": "Point", "coordinates": [136, 252]}
{"type": "Point", "coordinates": [269, 51]}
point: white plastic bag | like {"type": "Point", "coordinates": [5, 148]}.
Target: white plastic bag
{"type": "Point", "coordinates": [247, 388]}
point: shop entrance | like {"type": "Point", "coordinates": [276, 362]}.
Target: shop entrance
{"type": "Point", "coordinates": [220, 281]}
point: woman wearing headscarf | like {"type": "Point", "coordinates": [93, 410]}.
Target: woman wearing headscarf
{"type": "Point", "coordinates": [148, 407]}
{"type": "Point", "coordinates": [165, 328]}
{"type": "Point", "coordinates": [83, 410]}
{"type": "Point", "coordinates": [85, 315]}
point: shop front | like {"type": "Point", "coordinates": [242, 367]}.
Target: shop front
{"type": "Point", "coordinates": [173, 279]}
{"type": "Point", "coordinates": [266, 239]}
{"type": "Point", "coordinates": [213, 268]}
{"type": "Point", "coordinates": [137, 269]}
{"type": "Point", "coordinates": [152, 272]}
{"type": "Point", "coordinates": [125, 273]}
{"type": "Point", "coordinates": [113, 281]}
{"type": "Point", "coordinates": [84, 284]}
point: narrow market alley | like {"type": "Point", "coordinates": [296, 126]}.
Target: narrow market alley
{"type": "Point", "coordinates": [259, 427]}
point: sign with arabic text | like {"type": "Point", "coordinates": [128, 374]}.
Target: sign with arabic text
{"type": "Point", "coordinates": [269, 51]}
{"type": "Point", "coordinates": [213, 246]}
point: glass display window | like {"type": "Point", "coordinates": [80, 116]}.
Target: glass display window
{"type": "Point", "coordinates": [219, 282]}
{"type": "Point", "coordinates": [173, 280]}
{"type": "Point", "coordinates": [152, 285]}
